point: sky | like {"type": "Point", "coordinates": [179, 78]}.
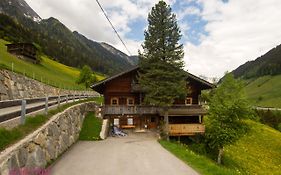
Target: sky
{"type": "Point", "coordinates": [218, 35]}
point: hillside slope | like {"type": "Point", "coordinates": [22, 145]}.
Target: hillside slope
{"type": "Point", "coordinates": [267, 64]}
{"type": "Point", "coordinates": [256, 153]}
{"type": "Point", "coordinates": [56, 40]}
{"type": "Point", "coordinates": [51, 72]}
{"type": "Point", "coordinates": [264, 91]}
{"type": "Point", "coordinates": [263, 79]}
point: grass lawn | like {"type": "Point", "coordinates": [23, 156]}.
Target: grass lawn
{"type": "Point", "coordinates": [258, 152]}
{"type": "Point", "coordinates": [91, 128]}
{"type": "Point", "coordinates": [51, 72]}
{"type": "Point", "coordinates": [199, 163]}
{"type": "Point", "coordinates": [8, 137]}
{"type": "Point", "coordinates": [265, 91]}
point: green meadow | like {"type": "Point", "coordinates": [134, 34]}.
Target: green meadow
{"type": "Point", "coordinates": [48, 71]}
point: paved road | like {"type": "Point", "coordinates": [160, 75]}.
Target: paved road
{"type": "Point", "coordinates": [137, 154]}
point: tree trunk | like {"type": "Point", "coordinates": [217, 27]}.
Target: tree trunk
{"type": "Point", "coordinates": [166, 124]}
{"type": "Point", "coordinates": [220, 155]}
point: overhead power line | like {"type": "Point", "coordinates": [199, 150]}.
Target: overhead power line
{"type": "Point", "coordinates": [113, 27]}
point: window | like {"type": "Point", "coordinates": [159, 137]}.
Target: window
{"type": "Point", "coordinates": [116, 122]}
{"type": "Point", "coordinates": [188, 101]}
{"type": "Point", "coordinates": [130, 121]}
{"type": "Point", "coordinates": [130, 101]}
{"type": "Point", "coordinates": [114, 101]}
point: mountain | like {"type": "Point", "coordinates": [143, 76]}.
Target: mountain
{"type": "Point", "coordinates": [17, 8]}
{"type": "Point", "coordinates": [55, 40]}
{"type": "Point", "coordinates": [263, 79]}
{"type": "Point", "coordinates": [131, 59]}
{"type": "Point", "coordinates": [267, 64]}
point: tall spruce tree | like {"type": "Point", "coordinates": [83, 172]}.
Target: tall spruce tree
{"type": "Point", "coordinates": [161, 62]}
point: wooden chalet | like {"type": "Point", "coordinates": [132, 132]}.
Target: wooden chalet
{"type": "Point", "coordinates": [25, 51]}
{"type": "Point", "coordinates": [123, 105]}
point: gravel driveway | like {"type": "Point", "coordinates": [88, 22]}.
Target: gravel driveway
{"type": "Point", "coordinates": [136, 154]}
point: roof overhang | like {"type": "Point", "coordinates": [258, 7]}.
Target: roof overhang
{"type": "Point", "coordinates": [99, 86]}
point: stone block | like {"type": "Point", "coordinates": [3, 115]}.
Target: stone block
{"type": "Point", "coordinates": [40, 139]}
{"type": "Point", "coordinates": [13, 163]}
{"type": "Point", "coordinates": [22, 156]}
{"type": "Point", "coordinates": [36, 159]}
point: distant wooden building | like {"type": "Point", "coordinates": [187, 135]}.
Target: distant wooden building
{"type": "Point", "coordinates": [123, 105]}
{"type": "Point", "coordinates": [26, 51]}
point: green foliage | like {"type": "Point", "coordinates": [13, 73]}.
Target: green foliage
{"type": "Point", "coordinates": [161, 63]}
{"type": "Point", "coordinates": [200, 163]}
{"type": "Point", "coordinates": [270, 118]}
{"type": "Point", "coordinates": [91, 128]}
{"type": "Point", "coordinates": [86, 76]}
{"type": "Point", "coordinates": [228, 107]}
{"type": "Point", "coordinates": [268, 64]}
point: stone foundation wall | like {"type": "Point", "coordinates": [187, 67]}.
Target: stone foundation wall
{"type": "Point", "coordinates": [16, 86]}
{"type": "Point", "coordinates": [47, 143]}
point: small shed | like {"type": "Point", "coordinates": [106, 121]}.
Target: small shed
{"type": "Point", "coordinates": [26, 51]}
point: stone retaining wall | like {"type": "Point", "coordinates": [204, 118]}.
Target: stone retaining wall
{"type": "Point", "coordinates": [47, 143]}
{"type": "Point", "coordinates": [16, 86]}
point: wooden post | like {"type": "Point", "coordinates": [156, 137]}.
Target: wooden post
{"type": "Point", "coordinates": [66, 97]}
{"type": "Point", "coordinates": [73, 97]}
{"type": "Point", "coordinates": [46, 105]}
{"type": "Point", "coordinates": [23, 112]}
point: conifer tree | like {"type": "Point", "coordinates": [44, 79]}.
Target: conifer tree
{"type": "Point", "coordinates": [161, 62]}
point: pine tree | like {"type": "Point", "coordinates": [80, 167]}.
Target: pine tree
{"type": "Point", "coordinates": [161, 63]}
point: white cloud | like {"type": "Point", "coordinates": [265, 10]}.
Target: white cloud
{"type": "Point", "coordinates": [238, 31]}
{"type": "Point", "coordinates": [86, 17]}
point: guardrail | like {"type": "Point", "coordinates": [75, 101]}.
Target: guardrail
{"type": "Point", "coordinates": [11, 109]}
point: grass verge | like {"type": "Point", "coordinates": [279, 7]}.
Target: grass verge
{"type": "Point", "coordinates": [91, 128]}
{"type": "Point", "coordinates": [200, 163]}
{"type": "Point", "coordinates": [9, 137]}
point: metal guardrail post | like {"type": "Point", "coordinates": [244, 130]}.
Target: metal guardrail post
{"type": "Point", "coordinates": [73, 97]}
{"type": "Point", "coordinates": [23, 112]}
{"type": "Point", "coordinates": [59, 101]}
{"type": "Point", "coordinates": [46, 105]}
{"type": "Point", "coordinates": [66, 98]}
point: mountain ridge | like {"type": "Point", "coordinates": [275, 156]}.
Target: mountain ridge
{"type": "Point", "coordinates": [58, 41]}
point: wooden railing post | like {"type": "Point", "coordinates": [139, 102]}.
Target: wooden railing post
{"type": "Point", "coordinates": [23, 112]}
{"type": "Point", "coordinates": [46, 105]}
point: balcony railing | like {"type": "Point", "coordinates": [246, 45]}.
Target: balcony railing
{"type": "Point", "coordinates": [140, 109]}
{"type": "Point", "coordinates": [186, 129]}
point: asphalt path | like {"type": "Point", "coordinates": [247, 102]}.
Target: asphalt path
{"type": "Point", "coordinates": [136, 154]}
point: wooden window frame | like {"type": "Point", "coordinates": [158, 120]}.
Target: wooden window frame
{"type": "Point", "coordinates": [111, 101]}
{"type": "Point", "coordinates": [130, 98]}
{"type": "Point", "coordinates": [188, 99]}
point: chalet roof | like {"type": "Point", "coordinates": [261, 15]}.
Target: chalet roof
{"type": "Point", "coordinates": [15, 44]}
{"type": "Point", "coordinates": [100, 84]}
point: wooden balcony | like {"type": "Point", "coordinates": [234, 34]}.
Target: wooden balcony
{"type": "Point", "coordinates": [140, 109]}
{"type": "Point", "coordinates": [129, 110]}
{"type": "Point", "coordinates": [186, 129]}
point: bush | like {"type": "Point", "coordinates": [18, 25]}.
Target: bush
{"type": "Point", "coordinates": [279, 127]}
{"type": "Point", "coordinates": [270, 118]}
